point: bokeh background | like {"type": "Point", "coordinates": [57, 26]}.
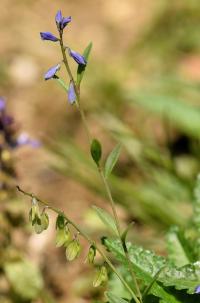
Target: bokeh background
{"type": "Point", "coordinates": [141, 87]}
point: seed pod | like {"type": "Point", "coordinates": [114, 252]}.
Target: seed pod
{"type": "Point", "coordinates": [45, 220]}
{"type": "Point", "coordinates": [73, 250]}
{"type": "Point", "coordinates": [63, 236]}
{"type": "Point", "coordinates": [100, 277]}
{"type": "Point", "coordinates": [60, 222]}
{"type": "Point", "coordinates": [34, 212]}
{"type": "Point", "coordinates": [91, 254]}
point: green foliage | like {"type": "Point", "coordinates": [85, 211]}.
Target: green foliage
{"type": "Point", "coordinates": [106, 218]}
{"type": "Point", "coordinates": [179, 249]}
{"type": "Point", "coordinates": [113, 298]}
{"type": "Point", "coordinates": [112, 160]}
{"type": "Point", "coordinates": [96, 151]}
{"type": "Point", "coordinates": [184, 116]}
{"type": "Point", "coordinates": [24, 278]}
{"type": "Point", "coordinates": [146, 265]}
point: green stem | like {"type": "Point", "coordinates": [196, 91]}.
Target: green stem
{"type": "Point", "coordinates": [84, 235]}
{"type": "Point", "coordinates": [83, 118]}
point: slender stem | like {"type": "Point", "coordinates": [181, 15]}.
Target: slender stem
{"type": "Point", "coordinates": [107, 188]}
{"type": "Point", "coordinates": [84, 235]}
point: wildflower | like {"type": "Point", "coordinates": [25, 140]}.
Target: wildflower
{"type": "Point", "coordinates": [62, 21]}
{"type": "Point", "coordinates": [197, 290]}
{"type": "Point", "coordinates": [52, 72]}
{"type": "Point", "coordinates": [71, 93]}
{"type": "Point", "coordinates": [77, 57]}
{"type": "Point", "coordinates": [2, 104]}
{"type": "Point", "coordinates": [48, 36]}
{"type": "Point", "coordinates": [24, 139]}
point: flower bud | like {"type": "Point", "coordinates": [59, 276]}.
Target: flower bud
{"type": "Point", "coordinates": [77, 57]}
{"type": "Point", "coordinates": [91, 254]}
{"type": "Point", "coordinates": [71, 93]}
{"type": "Point", "coordinates": [101, 276]}
{"type": "Point", "coordinates": [62, 21]}
{"type": "Point", "coordinates": [51, 73]}
{"type": "Point", "coordinates": [48, 36]}
{"type": "Point", "coordinates": [73, 250]}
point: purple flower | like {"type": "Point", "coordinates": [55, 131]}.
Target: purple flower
{"type": "Point", "coordinates": [71, 93]}
{"type": "Point", "coordinates": [62, 21]}
{"type": "Point", "coordinates": [52, 72]}
{"type": "Point", "coordinates": [77, 57]}
{"type": "Point", "coordinates": [48, 36]}
{"type": "Point", "coordinates": [24, 139]}
{"type": "Point", "coordinates": [2, 104]}
{"type": "Point", "coordinates": [197, 290]}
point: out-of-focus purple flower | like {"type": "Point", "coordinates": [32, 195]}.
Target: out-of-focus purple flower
{"type": "Point", "coordinates": [62, 21]}
{"type": "Point", "coordinates": [71, 93]}
{"type": "Point", "coordinates": [48, 36]}
{"type": "Point", "coordinates": [77, 57]}
{"type": "Point", "coordinates": [2, 104]}
{"type": "Point", "coordinates": [197, 290]}
{"type": "Point", "coordinates": [52, 72]}
{"type": "Point", "coordinates": [24, 139]}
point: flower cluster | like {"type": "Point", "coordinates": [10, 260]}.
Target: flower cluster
{"type": "Point", "coordinates": [61, 23]}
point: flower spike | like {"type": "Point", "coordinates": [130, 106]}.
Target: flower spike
{"type": "Point", "coordinates": [51, 73]}
{"type": "Point", "coordinates": [77, 57]}
{"type": "Point", "coordinates": [48, 36]}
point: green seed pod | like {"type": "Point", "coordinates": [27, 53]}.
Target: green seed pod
{"type": "Point", "coordinates": [91, 254]}
{"type": "Point", "coordinates": [34, 212]}
{"type": "Point", "coordinates": [100, 277]}
{"type": "Point", "coordinates": [73, 250]}
{"type": "Point", "coordinates": [63, 236]}
{"type": "Point", "coordinates": [45, 220]}
{"type": "Point", "coordinates": [60, 222]}
{"type": "Point", "coordinates": [38, 227]}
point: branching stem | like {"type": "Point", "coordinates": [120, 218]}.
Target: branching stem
{"type": "Point", "coordinates": [84, 235]}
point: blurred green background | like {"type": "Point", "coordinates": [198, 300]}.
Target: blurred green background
{"type": "Point", "coordinates": [141, 87]}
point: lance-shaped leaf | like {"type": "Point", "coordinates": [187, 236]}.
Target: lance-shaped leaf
{"type": "Point", "coordinates": [96, 151]}
{"type": "Point", "coordinates": [81, 68]}
{"type": "Point", "coordinates": [112, 160]}
{"type": "Point", "coordinates": [106, 218]}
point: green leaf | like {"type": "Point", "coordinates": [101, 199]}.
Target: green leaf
{"type": "Point", "coordinates": [178, 249]}
{"type": "Point", "coordinates": [24, 278]}
{"type": "Point", "coordinates": [81, 68]}
{"type": "Point", "coordinates": [112, 160]}
{"type": "Point", "coordinates": [96, 151]}
{"type": "Point", "coordinates": [183, 115]}
{"type": "Point", "coordinates": [196, 204]}
{"type": "Point", "coordinates": [113, 298]}
{"type": "Point", "coordinates": [146, 264]}
{"type": "Point", "coordinates": [106, 218]}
